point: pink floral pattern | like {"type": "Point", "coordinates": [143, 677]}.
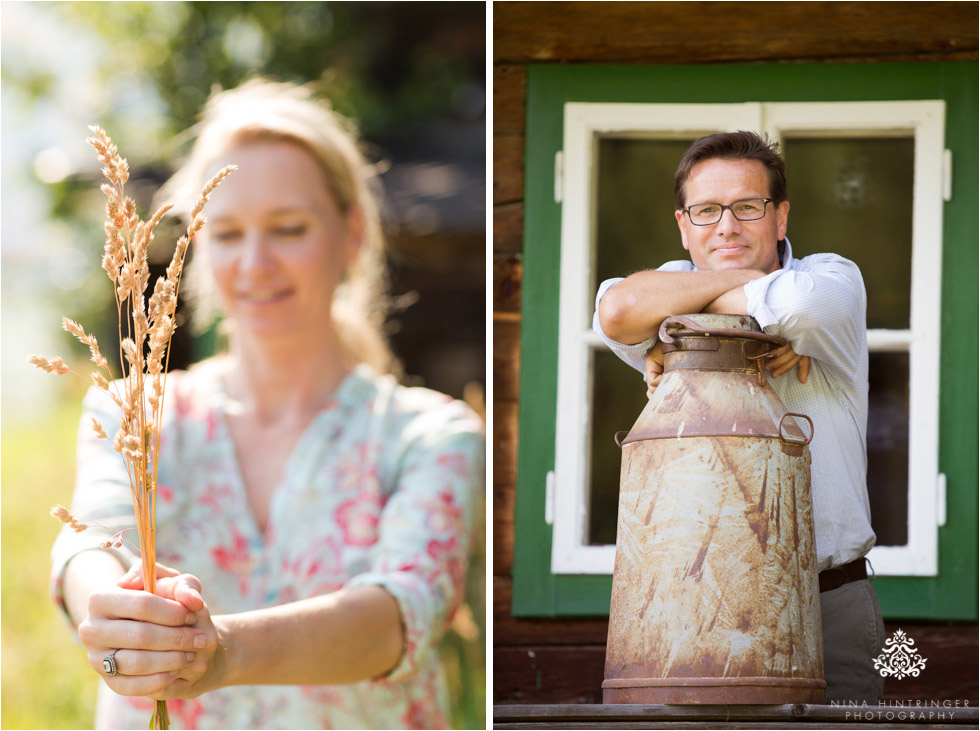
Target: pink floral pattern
{"type": "Point", "coordinates": [359, 519]}
{"type": "Point", "coordinates": [382, 489]}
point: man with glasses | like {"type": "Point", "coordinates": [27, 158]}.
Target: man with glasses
{"type": "Point", "coordinates": [732, 211]}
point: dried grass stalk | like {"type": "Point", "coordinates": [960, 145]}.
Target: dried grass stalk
{"type": "Point", "coordinates": [145, 332]}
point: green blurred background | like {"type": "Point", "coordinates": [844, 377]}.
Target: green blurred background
{"type": "Point", "coordinates": [410, 74]}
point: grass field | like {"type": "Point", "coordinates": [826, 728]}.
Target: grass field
{"type": "Point", "coordinates": [46, 681]}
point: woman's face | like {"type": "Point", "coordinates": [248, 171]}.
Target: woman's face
{"type": "Point", "coordinates": [277, 242]}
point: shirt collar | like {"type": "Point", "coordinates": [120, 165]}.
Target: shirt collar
{"type": "Point", "coordinates": [787, 255]}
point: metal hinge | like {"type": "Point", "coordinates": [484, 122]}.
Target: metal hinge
{"type": "Point", "coordinates": [549, 498]}
{"type": "Point", "coordinates": [947, 175]}
{"type": "Point", "coordinates": [559, 176]}
{"type": "Point", "coordinates": [941, 499]}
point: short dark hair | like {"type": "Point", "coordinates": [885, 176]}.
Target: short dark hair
{"type": "Point", "coordinates": [739, 145]}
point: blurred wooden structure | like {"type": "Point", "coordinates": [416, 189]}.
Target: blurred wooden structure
{"type": "Point", "coordinates": [561, 660]}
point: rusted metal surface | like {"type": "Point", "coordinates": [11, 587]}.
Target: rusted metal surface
{"type": "Point", "coordinates": [715, 595]}
{"type": "Point", "coordinates": [741, 326]}
{"type": "Point", "coordinates": [713, 403]}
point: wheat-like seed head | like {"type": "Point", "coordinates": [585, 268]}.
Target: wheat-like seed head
{"type": "Point", "coordinates": [158, 216]}
{"type": "Point", "coordinates": [49, 365]}
{"type": "Point", "coordinates": [129, 348]}
{"type": "Point", "coordinates": [86, 339]}
{"type": "Point", "coordinates": [209, 187]}
{"type": "Point", "coordinates": [116, 168]}
{"type": "Point", "coordinates": [97, 428]}
{"type": "Point", "coordinates": [176, 265]}
{"type": "Point", "coordinates": [129, 213]}
{"type": "Point", "coordinates": [61, 513]}
{"type": "Point", "coordinates": [73, 327]}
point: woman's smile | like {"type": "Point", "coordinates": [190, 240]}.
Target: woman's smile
{"type": "Point", "coordinates": [265, 296]}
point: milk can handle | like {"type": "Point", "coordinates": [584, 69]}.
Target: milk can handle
{"type": "Point", "coordinates": [786, 439]}
{"type": "Point", "coordinates": [680, 321]}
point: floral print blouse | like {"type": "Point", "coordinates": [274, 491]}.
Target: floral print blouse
{"type": "Point", "coordinates": [381, 489]}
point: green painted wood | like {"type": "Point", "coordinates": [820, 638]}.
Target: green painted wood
{"type": "Point", "coordinates": [951, 595]}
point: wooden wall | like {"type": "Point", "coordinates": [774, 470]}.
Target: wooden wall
{"type": "Point", "coordinates": [561, 660]}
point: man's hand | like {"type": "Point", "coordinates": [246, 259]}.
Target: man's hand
{"type": "Point", "coordinates": [653, 368]}
{"type": "Point", "coordinates": [778, 362]}
{"type": "Point", "coordinates": [782, 360]}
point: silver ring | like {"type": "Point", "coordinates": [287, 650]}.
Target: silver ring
{"type": "Point", "coordinates": [109, 663]}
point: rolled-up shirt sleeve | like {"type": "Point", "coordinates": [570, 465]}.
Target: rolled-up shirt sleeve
{"type": "Point", "coordinates": [102, 497]}
{"type": "Point", "coordinates": [819, 307]}
{"type": "Point", "coordinates": [425, 527]}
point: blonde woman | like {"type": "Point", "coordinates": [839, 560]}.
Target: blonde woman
{"type": "Point", "coordinates": [316, 515]}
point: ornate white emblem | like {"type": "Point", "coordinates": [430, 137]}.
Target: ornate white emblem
{"type": "Point", "coordinates": [900, 658]}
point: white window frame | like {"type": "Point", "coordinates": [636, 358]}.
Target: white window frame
{"type": "Point", "coordinates": [584, 124]}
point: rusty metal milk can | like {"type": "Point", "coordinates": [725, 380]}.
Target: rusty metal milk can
{"type": "Point", "coordinates": [715, 597]}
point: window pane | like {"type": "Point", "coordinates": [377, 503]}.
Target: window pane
{"type": "Point", "coordinates": [635, 229]}
{"type": "Point", "coordinates": [888, 446]}
{"type": "Point", "coordinates": [635, 226]}
{"type": "Point", "coordinates": [853, 196]}
{"type": "Point", "coordinates": [618, 397]}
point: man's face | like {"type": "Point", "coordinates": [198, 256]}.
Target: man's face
{"type": "Point", "coordinates": [730, 243]}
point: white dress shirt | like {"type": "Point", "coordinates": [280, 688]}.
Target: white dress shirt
{"type": "Point", "coordinates": [818, 304]}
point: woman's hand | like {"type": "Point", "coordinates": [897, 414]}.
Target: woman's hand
{"type": "Point", "coordinates": [782, 360]}
{"type": "Point", "coordinates": [200, 672]}
{"type": "Point", "coordinates": [157, 641]}
{"type": "Point", "coordinates": [653, 368]}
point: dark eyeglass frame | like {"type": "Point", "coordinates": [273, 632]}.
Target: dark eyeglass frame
{"type": "Point", "coordinates": [765, 201]}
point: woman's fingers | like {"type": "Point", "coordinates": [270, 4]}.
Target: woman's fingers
{"type": "Point", "coordinates": [99, 632]}
{"type": "Point", "coordinates": [139, 605]}
{"type": "Point", "coordinates": [133, 579]}
{"type": "Point", "coordinates": [141, 662]}
{"type": "Point", "coordinates": [170, 584]}
{"type": "Point", "coordinates": [183, 588]}
{"type": "Point", "coordinates": [141, 685]}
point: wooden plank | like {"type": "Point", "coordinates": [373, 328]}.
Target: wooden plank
{"type": "Point", "coordinates": [508, 228]}
{"type": "Point", "coordinates": [503, 530]}
{"type": "Point", "coordinates": [701, 32]}
{"type": "Point", "coordinates": [508, 275]}
{"type": "Point", "coordinates": [508, 168]}
{"type": "Point", "coordinates": [504, 481]}
{"type": "Point", "coordinates": [505, 441]}
{"type": "Point", "coordinates": [780, 725]}
{"type": "Point", "coordinates": [787, 712]}
{"type": "Point", "coordinates": [509, 93]}
{"type": "Point", "coordinates": [515, 631]}
{"type": "Point", "coordinates": [950, 650]}
{"type": "Point", "coordinates": [548, 674]}
{"type": "Point", "coordinates": [506, 358]}
{"type": "Point", "coordinates": [951, 646]}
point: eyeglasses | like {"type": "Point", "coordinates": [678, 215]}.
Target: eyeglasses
{"type": "Point", "coordinates": [747, 209]}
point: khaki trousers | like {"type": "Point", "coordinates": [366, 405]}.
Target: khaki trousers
{"type": "Point", "coordinates": [853, 636]}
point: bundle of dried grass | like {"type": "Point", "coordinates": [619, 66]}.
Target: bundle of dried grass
{"type": "Point", "coordinates": [145, 331]}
